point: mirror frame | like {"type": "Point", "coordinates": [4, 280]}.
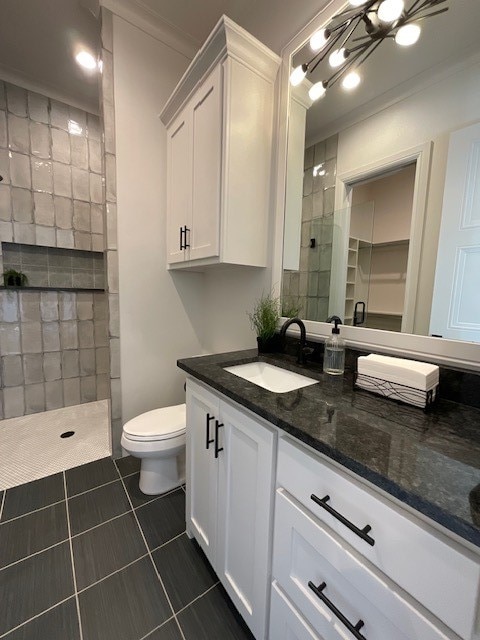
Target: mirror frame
{"type": "Point", "coordinates": [454, 353]}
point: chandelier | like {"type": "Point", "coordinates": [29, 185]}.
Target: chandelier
{"type": "Point", "coordinates": [355, 33]}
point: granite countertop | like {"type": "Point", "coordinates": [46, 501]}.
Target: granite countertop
{"type": "Point", "coordinates": [427, 460]}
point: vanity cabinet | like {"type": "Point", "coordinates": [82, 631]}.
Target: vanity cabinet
{"type": "Point", "coordinates": [219, 124]}
{"type": "Point", "coordinates": [230, 497]}
{"type": "Point", "coordinates": [337, 544]}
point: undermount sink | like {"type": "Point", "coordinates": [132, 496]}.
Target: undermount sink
{"type": "Point", "coordinates": [271, 377]}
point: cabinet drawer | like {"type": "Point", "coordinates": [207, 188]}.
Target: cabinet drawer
{"type": "Point", "coordinates": [434, 572]}
{"type": "Point", "coordinates": [285, 621]}
{"type": "Point", "coordinates": [306, 555]}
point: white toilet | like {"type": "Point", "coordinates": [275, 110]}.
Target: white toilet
{"type": "Point", "coordinates": [158, 438]}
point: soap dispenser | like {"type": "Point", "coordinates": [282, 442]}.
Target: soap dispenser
{"type": "Point", "coordinates": [334, 356]}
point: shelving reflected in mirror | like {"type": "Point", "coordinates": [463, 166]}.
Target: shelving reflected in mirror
{"type": "Point", "coordinates": [382, 216]}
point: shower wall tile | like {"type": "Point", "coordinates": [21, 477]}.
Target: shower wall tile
{"type": "Point", "coordinates": [51, 160]}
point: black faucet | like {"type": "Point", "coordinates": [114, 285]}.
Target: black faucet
{"type": "Point", "coordinates": [303, 350]}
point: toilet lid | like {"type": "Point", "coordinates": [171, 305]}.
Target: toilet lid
{"type": "Point", "coordinates": [158, 424]}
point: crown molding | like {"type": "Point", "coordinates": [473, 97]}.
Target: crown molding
{"type": "Point", "coordinates": [227, 38]}
{"type": "Point", "coordinates": [20, 79]}
{"type": "Point", "coordinates": [139, 15]}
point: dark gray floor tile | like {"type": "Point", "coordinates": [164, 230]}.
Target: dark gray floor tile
{"type": "Point", "coordinates": [33, 495]}
{"type": "Point", "coordinates": [163, 519]}
{"type": "Point", "coordinates": [213, 617]}
{"type": "Point", "coordinates": [168, 631]}
{"type": "Point", "coordinates": [90, 475]}
{"type": "Point", "coordinates": [124, 606]}
{"type": "Point", "coordinates": [105, 549]}
{"type": "Point", "coordinates": [128, 465]}
{"type": "Point", "coordinates": [136, 496]}
{"type": "Point", "coordinates": [185, 571]}
{"type": "Point", "coordinates": [31, 533]}
{"type": "Point", "coordinates": [60, 623]}
{"type": "Point", "coordinates": [33, 585]}
{"type": "Point", "coordinates": [96, 506]}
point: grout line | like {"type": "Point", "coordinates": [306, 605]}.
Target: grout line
{"type": "Point", "coordinates": [72, 558]}
{"type": "Point", "coordinates": [151, 559]}
{"type": "Point", "coordinates": [57, 604]}
{"type": "Point", "coordinates": [158, 497]}
{"type": "Point", "coordinates": [168, 541]}
{"type": "Point", "coordinates": [198, 597]}
{"type": "Point", "coordinates": [82, 493]}
{"type": "Point", "coordinates": [1, 505]}
{"type": "Point", "coordinates": [30, 512]}
{"type": "Point", "coordinates": [113, 573]}
{"type": "Point", "coordinates": [31, 555]}
{"type": "Point", "coordinates": [120, 515]}
{"type": "Point", "coordinates": [157, 628]}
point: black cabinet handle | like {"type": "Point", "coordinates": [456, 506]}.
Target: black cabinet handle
{"type": "Point", "coordinates": [217, 427]}
{"type": "Point", "coordinates": [354, 629]}
{"type": "Point", "coordinates": [185, 244]}
{"type": "Point", "coordinates": [209, 440]}
{"type": "Point", "coordinates": [361, 533]}
{"type": "Point", "coordinates": [181, 238]}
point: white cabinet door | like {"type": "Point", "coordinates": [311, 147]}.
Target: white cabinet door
{"type": "Point", "coordinates": [179, 192]}
{"type": "Point", "coordinates": [202, 468]}
{"type": "Point", "coordinates": [285, 621]}
{"type": "Point", "coordinates": [207, 160]}
{"type": "Point", "coordinates": [244, 514]}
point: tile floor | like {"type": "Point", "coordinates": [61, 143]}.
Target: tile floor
{"type": "Point", "coordinates": [84, 555]}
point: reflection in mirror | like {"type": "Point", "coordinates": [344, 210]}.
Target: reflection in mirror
{"type": "Point", "coordinates": [382, 215]}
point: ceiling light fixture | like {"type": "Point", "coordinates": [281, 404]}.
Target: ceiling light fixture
{"type": "Point", "coordinates": [352, 35]}
{"type": "Point", "coordinates": [86, 60]}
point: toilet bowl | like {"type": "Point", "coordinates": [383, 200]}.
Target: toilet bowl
{"type": "Point", "coordinates": [158, 438]}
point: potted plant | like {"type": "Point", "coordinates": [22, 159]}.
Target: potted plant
{"type": "Point", "coordinates": [12, 278]}
{"type": "Point", "coordinates": [264, 320]}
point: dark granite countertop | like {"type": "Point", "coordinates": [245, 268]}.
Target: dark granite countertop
{"type": "Point", "coordinates": [427, 460]}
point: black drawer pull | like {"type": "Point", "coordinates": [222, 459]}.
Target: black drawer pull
{"type": "Point", "coordinates": [217, 427]}
{"type": "Point", "coordinates": [361, 533]}
{"type": "Point", "coordinates": [354, 629]}
{"type": "Point", "coordinates": [209, 440]}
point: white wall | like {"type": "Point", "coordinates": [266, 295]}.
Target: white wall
{"type": "Point", "coordinates": [429, 115]}
{"type": "Point", "coordinates": [160, 313]}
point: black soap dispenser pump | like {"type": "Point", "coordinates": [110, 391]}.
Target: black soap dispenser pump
{"type": "Point", "coordinates": [334, 356]}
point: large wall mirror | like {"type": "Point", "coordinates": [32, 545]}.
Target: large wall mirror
{"type": "Point", "coordinates": [382, 191]}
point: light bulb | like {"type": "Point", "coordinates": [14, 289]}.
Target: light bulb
{"type": "Point", "coordinates": [357, 3]}
{"type": "Point", "coordinates": [86, 60]}
{"type": "Point", "coordinates": [408, 35]}
{"type": "Point", "coordinates": [390, 10]}
{"type": "Point", "coordinates": [317, 91]}
{"type": "Point", "coordinates": [319, 39]}
{"type": "Point", "coordinates": [351, 80]}
{"type": "Point", "coordinates": [338, 57]}
{"type": "Point", "coordinates": [298, 74]}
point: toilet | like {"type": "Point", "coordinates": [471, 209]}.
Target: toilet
{"type": "Point", "coordinates": [158, 438]}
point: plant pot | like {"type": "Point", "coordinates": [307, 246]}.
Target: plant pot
{"type": "Point", "coordinates": [269, 345]}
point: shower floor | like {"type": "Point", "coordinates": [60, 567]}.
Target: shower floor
{"type": "Point", "coordinates": [31, 447]}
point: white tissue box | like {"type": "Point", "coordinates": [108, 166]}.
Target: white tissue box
{"type": "Point", "coordinates": [408, 381]}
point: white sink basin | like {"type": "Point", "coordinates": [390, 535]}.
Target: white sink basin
{"type": "Point", "coordinates": [271, 377]}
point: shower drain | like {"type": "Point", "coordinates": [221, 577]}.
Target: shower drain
{"type": "Point", "coordinates": [67, 434]}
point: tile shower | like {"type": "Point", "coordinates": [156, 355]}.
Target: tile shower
{"type": "Point", "coordinates": [307, 288]}
{"type": "Point", "coordinates": [54, 336]}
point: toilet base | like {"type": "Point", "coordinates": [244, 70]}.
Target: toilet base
{"type": "Point", "coordinates": [158, 476]}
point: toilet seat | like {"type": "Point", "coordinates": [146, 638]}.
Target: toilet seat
{"type": "Point", "coordinates": [157, 425]}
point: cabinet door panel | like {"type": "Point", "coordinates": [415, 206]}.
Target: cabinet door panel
{"type": "Point", "coordinates": [207, 156]}
{"type": "Point", "coordinates": [179, 169]}
{"type": "Point", "coordinates": [285, 621]}
{"type": "Point", "coordinates": [202, 468]}
{"type": "Point", "coordinates": [244, 514]}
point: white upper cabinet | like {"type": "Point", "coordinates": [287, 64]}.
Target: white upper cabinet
{"type": "Point", "coordinates": [219, 124]}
